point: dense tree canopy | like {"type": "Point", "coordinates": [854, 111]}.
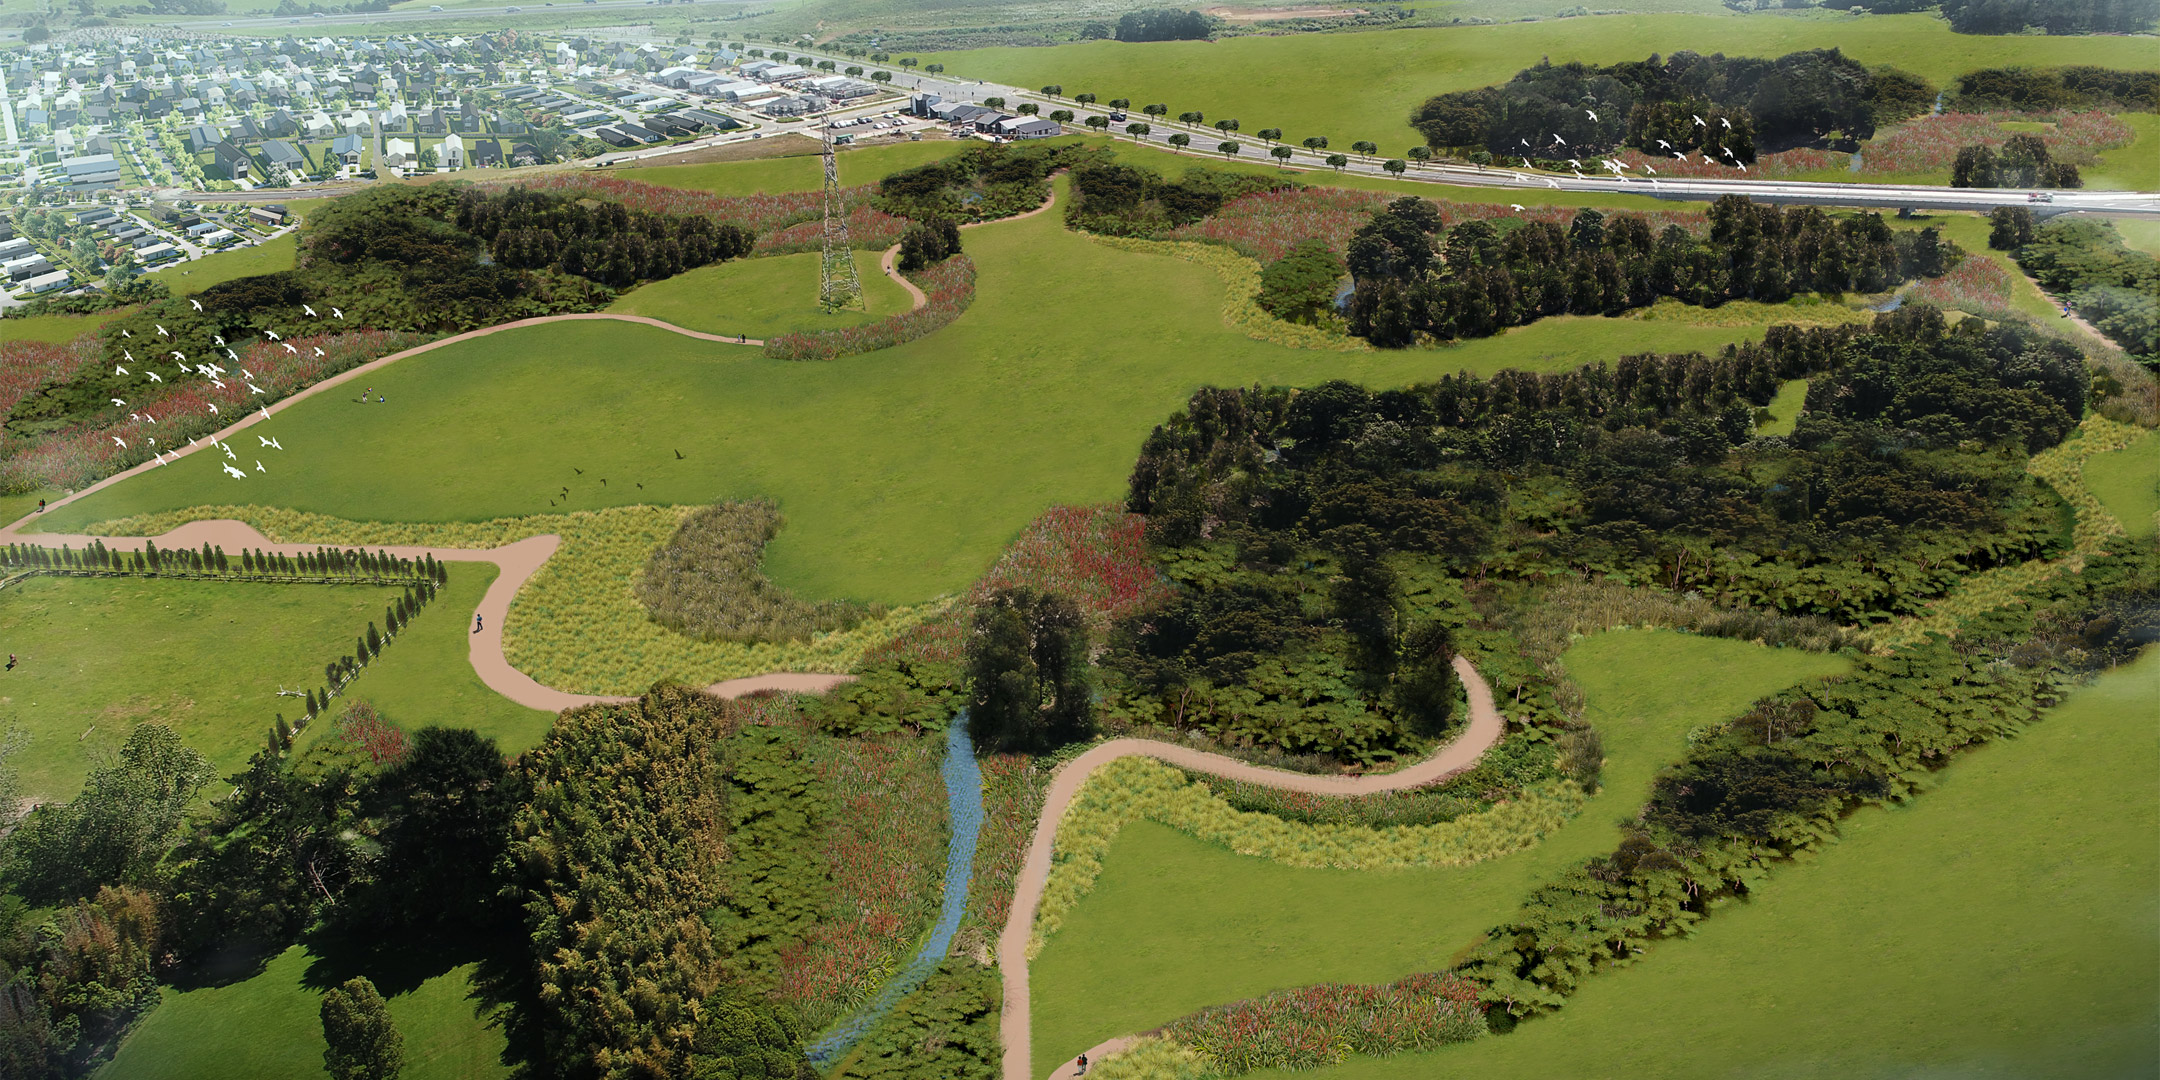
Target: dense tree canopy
{"type": "Point", "coordinates": [1163, 25]}
{"type": "Point", "coordinates": [1744, 104]}
{"type": "Point", "coordinates": [2054, 16]}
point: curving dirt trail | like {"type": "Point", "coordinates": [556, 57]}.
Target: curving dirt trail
{"type": "Point", "coordinates": [1486, 727]}
{"type": "Point", "coordinates": [889, 261]}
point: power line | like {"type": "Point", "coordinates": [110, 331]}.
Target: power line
{"type": "Point", "coordinates": [839, 283]}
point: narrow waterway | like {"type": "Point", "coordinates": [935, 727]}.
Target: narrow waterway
{"type": "Point", "coordinates": [964, 805]}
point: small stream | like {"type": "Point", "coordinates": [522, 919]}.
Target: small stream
{"type": "Point", "coordinates": [963, 804]}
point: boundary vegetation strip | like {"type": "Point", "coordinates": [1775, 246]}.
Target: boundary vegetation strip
{"type": "Point", "coordinates": [1134, 787]}
{"type": "Point", "coordinates": [1015, 942]}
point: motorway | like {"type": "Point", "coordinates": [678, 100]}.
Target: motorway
{"type": "Point", "coordinates": [265, 22]}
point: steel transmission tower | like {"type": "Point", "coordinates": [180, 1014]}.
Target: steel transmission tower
{"type": "Point", "coordinates": [839, 284]}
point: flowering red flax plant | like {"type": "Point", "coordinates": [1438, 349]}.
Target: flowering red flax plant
{"type": "Point", "coordinates": [948, 288]}
{"type": "Point", "coordinates": [364, 729]}
{"type": "Point", "coordinates": [1931, 143]}
{"type": "Point", "coordinates": [1314, 1026]}
{"type": "Point", "coordinates": [884, 847]}
{"type": "Point", "coordinates": [1977, 285]}
{"type": "Point", "coordinates": [1013, 792]}
{"type": "Point", "coordinates": [27, 365]}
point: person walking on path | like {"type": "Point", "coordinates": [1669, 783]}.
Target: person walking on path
{"type": "Point", "coordinates": [1082, 1063]}
{"type": "Point", "coordinates": [476, 622]}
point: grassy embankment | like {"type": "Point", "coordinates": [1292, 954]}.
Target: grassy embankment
{"type": "Point", "coordinates": [1175, 924]}
{"type": "Point", "coordinates": [1070, 353]}
{"type": "Point", "coordinates": [99, 655]}
{"type": "Point", "coordinates": [2005, 924]}
{"type": "Point", "coordinates": [1364, 85]}
{"type": "Point", "coordinates": [760, 298]}
{"type": "Point", "coordinates": [2127, 482]}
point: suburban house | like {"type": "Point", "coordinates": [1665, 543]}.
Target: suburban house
{"type": "Point", "coordinates": [283, 155]}
{"type": "Point", "coordinates": [1029, 127]}
{"type": "Point", "coordinates": [57, 279]}
{"type": "Point", "coordinates": [451, 154]}
{"type": "Point", "coordinates": [398, 153]}
{"type": "Point", "coordinates": [348, 149]}
{"type": "Point", "coordinates": [229, 161]}
{"type": "Point", "coordinates": [94, 172]}
{"type": "Point", "coordinates": [486, 153]}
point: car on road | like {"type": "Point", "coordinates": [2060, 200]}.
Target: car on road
{"type": "Point", "coordinates": [1117, 118]}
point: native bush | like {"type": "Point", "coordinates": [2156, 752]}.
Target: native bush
{"type": "Point", "coordinates": [774, 884]}
{"type": "Point", "coordinates": [2088, 261]}
{"type": "Point", "coordinates": [115, 830]}
{"type": "Point", "coordinates": [73, 981]}
{"type": "Point", "coordinates": [1027, 664]}
{"type": "Point", "coordinates": [1300, 287]}
{"type": "Point", "coordinates": [1123, 200]}
{"type": "Point", "coordinates": [947, 1030]}
{"type": "Point", "coordinates": [705, 582]}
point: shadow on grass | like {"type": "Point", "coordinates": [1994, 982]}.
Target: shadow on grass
{"type": "Point", "coordinates": [399, 961]}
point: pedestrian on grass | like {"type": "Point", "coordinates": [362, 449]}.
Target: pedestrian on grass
{"type": "Point", "coordinates": [11, 661]}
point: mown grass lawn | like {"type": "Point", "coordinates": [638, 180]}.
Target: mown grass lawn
{"type": "Point", "coordinates": [1785, 408]}
{"type": "Point", "coordinates": [269, 1027]}
{"type": "Point", "coordinates": [2127, 482]}
{"type": "Point", "coordinates": [799, 172]}
{"type": "Point", "coordinates": [2135, 167]}
{"type": "Point", "coordinates": [426, 679]}
{"type": "Point", "coordinates": [1364, 85]}
{"type": "Point", "coordinates": [2005, 924]}
{"type": "Point", "coordinates": [52, 329]}
{"type": "Point", "coordinates": [761, 298]}
{"type": "Point", "coordinates": [902, 472]}
{"type": "Point", "coordinates": [97, 656]}
{"type": "Point", "coordinates": [1175, 924]}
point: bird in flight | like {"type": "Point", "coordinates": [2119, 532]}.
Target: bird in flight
{"type": "Point", "coordinates": [339, 314]}
{"type": "Point", "coordinates": [1727, 123]}
{"type": "Point", "coordinates": [289, 348]}
{"type": "Point", "coordinates": [119, 402]}
{"type": "Point", "coordinates": [1517, 207]}
{"type": "Point", "coordinates": [1652, 168]}
{"type": "Point", "coordinates": [1552, 183]}
{"type": "Point", "coordinates": [213, 409]}
{"type": "Point", "coordinates": [577, 470]}
{"type": "Point", "coordinates": [118, 370]}
{"type": "Point", "coordinates": [162, 332]}
{"type": "Point", "coordinates": [1699, 121]}
{"type": "Point", "coordinates": [258, 466]}
{"type": "Point", "coordinates": [1664, 144]}
{"type": "Point", "coordinates": [318, 350]}
{"type": "Point", "coordinates": [272, 335]}
{"type": "Point", "coordinates": [219, 338]}
{"type": "Point", "coordinates": [678, 455]}
{"type": "Point", "coordinates": [180, 356]}
{"type": "Point", "coordinates": [1574, 162]}
{"type": "Point", "coordinates": [154, 377]}
{"type": "Point", "coordinates": [116, 439]}
{"type": "Point", "coordinates": [1558, 141]}
{"type": "Point", "coordinates": [310, 312]}
{"type": "Point", "coordinates": [197, 303]}
{"type": "Point", "coordinates": [254, 389]}
{"type": "Point", "coordinates": [1593, 116]}
{"type": "Point", "coordinates": [124, 333]}
{"type": "Point", "coordinates": [236, 474]}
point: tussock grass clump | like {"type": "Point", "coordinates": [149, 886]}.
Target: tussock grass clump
{"type": "Point", "coordinates": [705, 583]}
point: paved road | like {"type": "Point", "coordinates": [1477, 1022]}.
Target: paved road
{"type": "Point", "coordinates": [261, 22]}
{"type": "Point", "coordinates": [1486, 727]}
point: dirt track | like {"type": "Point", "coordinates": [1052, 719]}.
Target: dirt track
{"type": "Point", "coordinates": [1486, 727]}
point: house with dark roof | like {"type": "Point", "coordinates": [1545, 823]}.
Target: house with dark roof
{"type": "Point", "coordinates": [230, 162]}
{"type": "Point", "coordinates": [280, 154]}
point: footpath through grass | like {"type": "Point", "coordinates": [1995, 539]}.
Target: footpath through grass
{"type": "Point", "coordinates": [2005, 924]}
{"type": "Point", "coordinates": [1364, 85]}
{"type": "Point", "coordinates": [1175, 924]}
{"type": "Point", "coordinates": [902, 472]}
{"type": "Point", "coordinates": [270, 1027]}
{"type": "Point", "coordinates": [2127, 482]}
{"type": "Point", "coordinates": [760, 298]}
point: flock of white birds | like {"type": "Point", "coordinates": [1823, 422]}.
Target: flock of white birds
{"type": "Point", "coordinates": [1619, 169]}
{"type": "Point", "coordinates": [215, 373]}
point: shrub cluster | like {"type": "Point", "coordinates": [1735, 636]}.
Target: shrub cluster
{"type": "Point", "coordinates": [2115, 286]}
{"type": "Point", "coordinates": [2023, 162]}
{"type": "Point", "coordinates": [2054, 16]}
{"type": "Point", "coordinates": [1164, 24]}
{"type": "Point", "coordinates": [978, 184]}
{"type": "Point", "coordinates": [1315, 1026]}
{"type": "Point", "coordinates": [1110, 199]}
{"type": "Point", "coordinates": [705, 582]}
{"type": "Point", "coordinates": [945, 1031]}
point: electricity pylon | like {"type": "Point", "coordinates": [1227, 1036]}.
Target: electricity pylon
{"type": "Point", "coordinates": [839, 284]}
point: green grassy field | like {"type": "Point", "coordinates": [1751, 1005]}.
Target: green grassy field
{"type": "Point", "coordinates": [51, 328]}
{"type": "Point", "coordinates": [1071, 352]}
{"type": "Point", "coordinates": [1785, 408]}
{"type": "Point", "coordinates": [2140, 233]}
{"type": "Point", "coordinates": [270, 1028]}
{"type": "Point", "coordinates": [1364, 85]}
{"type": "Point", "coordinates": [427, 678]}
{"type": "Point", "coordinates": [761, 297]}
{"type": "Point", "coordinates": [199, 274]}
{"type": "Point", "coordinates": [100, 655]}
{"type": "Point", "coordinates": [1175, 924]}
{"type": "Point", "coordinates": [2135, 167]}
{"type": "Point", "coordinates": [802, 172]}
{"type": "Point", "coordinates": [2005, 924]}
{"type": "Point", "coordinates": [2127, 482]}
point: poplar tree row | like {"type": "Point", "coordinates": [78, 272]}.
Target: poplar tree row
{"type": "Point", "coordinates": [210, 560]}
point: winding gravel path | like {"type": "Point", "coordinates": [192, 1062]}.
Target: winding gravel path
{"type": "Point", "coordinates": [1486, 727]}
